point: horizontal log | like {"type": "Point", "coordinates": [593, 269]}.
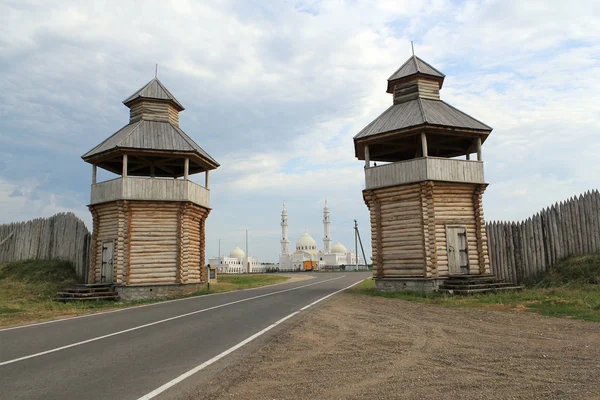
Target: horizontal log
{"type": "Point", "coordinates": [403, 257]}
{"type": "Point", "coordinates": [153, 270]}
{"type": "Point", "coordinates": [135, 275]}
{"type": "Point", "coordinates": [151, 281]}
{"type": "Point", "coordinates": [403, 271]}
{"type": "Point", "coordinates": [153, 251]}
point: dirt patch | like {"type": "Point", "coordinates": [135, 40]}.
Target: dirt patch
{"type": "Point", "coordinates": [297, 277]}
{"type": "Point", "coordinates": [361, 347]}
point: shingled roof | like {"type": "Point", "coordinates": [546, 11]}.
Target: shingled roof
{"type": "Point", "coordinates": [154, 90]}
{"type": "Point", "coordinates": [150, 135]}
{"type": "Point", "coordinates": [413, 66]}
{"type": "Point", "coordinates": [420, 112]}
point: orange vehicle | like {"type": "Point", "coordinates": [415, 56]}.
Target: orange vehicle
{"type": "Point", "coordinates": [310, 265]}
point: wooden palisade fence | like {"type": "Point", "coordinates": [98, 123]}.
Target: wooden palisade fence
{"type": "Point", "coordinates": [63, 236]}
{"type": "Point", "coordinates": [522, 250]}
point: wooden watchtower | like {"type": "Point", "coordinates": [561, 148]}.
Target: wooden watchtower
{"type": "Point", "coordinates": [425, 193]}
{"type": "Point", "coordinates": [148, 224]}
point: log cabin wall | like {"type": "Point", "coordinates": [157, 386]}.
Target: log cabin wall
{"type": "Point", "coordinates": [152, 110]}
{"type": "Point", "coordinates": [408, 228]}
{"type": "Point", "coordinates": [109, 224]}
{"type": "Point", "coordinates": [415, 88]}
{"type": "Point", "coordinates": [192, 256]}
{"type": "Point", "coordinates": [460, 204]}
{"type": "Point", "coordinates": [397, 233]}
{"type": "Point", "coordinates": [154, 242]}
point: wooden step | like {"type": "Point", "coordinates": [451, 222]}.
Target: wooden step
{"type": "Point", "coordinates": [480, 291]}
{"type": "Point", "coordinates": [453, 279]}
{"type": "Point", "coordinates": [88, 290]}
{"type": "Point", "coordinates": [475, 286]}
{"type": "Point", "coordinates": [86, 295]}
{"type": "Point", "coordinates": [65, 299]}
{"type": "Point", "coordinates": [92, 285]}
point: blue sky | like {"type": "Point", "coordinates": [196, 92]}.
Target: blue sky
{"type": "Point", "coordinates": [275, 91]}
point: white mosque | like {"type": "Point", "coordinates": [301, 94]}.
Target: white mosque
{"type": "Point", "coordinates": [237, 263]}
{"type": "Point", "coordinates": [307, 254]}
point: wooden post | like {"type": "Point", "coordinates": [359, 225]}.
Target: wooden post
{"type": "Point", "coordinates": [424, 144]}
{"type": "Point", "coordinates": [468, 156]}
{"type": "Point", "coordinates": [186, 168]}
{"type": "Point", "coordinates": [94, 172]}
{"type": "Point", "coordinates": [206, 179]}
{"type": "Point", "coordinates": [479, 158]}
{"type": "Point", "coordinates": [124, 166]}
{"type": "Point", "coordinates": [367, 157]}
{"type": "Point", "coordinates": [152, 172]}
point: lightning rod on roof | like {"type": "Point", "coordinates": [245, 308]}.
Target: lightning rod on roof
{"type": "Point", "coordinates": [413, 47]}
{"type": "Point", "coordinates": [156, 70]}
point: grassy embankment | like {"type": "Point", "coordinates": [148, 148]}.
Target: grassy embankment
{"type": "Point", "coordinates": [570, 290]}
{"type": "Point", "coordinates": [27, 290]}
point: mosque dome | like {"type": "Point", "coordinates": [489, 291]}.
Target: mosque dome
{"type": "Point", "coordinates": [306, 242]}
{"type": "Point", "coordinates": [339, 248]}
{"type": "Point", "coordinates": [237, 253]}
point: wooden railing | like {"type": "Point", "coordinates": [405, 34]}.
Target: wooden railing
{"type": "Point", "coordinates": [425, 168]}
{"type": "Point", "coordinates": [158, 189]}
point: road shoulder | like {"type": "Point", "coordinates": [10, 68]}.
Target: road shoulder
{"type": "Point", "coordinates": [364, 347]}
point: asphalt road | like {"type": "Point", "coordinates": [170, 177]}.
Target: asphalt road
{"type": "Point", "coordinates": [132, 352]}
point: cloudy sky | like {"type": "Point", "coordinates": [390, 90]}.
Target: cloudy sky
{"type": "Point", "coordinates": [275, 91]}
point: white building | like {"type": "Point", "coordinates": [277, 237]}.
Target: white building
{"type": "Point", "coordinates": [237, 263]}
{"type": "Point", "coordinates": [307, 251]}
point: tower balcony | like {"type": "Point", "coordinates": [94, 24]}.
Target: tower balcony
{"type": "Point", "coordinates": [156, 189]}
{"type": "Point", "coordinates": [424, 169]}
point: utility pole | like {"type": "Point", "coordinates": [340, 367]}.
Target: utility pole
{"type": "Point", "coordinates": [219, 254]}
{"type": "Point", "coordinates": [356, 242]}
{"type": "Point", "coordinates": [361, 248]}
{"type": "Point", "coordinates": [247, 262]}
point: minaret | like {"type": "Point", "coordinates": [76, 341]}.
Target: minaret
{"type": "Point", "coordinates": [326, 225]}
{"type": "Point", "coordinates": [284, 231]}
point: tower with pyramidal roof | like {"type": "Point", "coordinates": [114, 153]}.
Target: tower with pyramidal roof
{"type": "Point", "coordinates": [148, 224]}
{"type": "Point", "coordinates": [424, 192]}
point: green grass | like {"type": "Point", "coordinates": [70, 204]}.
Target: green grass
{"type": "Point", "coordinates": [27, 290]}
{"type": "Point", "coordinates": [227, 283]}
{"type": "Point", "coordinates": [567, 291]}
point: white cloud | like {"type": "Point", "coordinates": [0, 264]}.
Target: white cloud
{"type": "Point", "coordinates": [275, 91]}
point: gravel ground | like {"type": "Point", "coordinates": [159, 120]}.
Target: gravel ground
{"type": "Point", "coordinates": [360, 347]}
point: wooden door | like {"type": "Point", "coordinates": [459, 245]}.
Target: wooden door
{"type": "Point", "coordinates": [106, 274]}
{"type": "Point", "coordinates": [458, 256]}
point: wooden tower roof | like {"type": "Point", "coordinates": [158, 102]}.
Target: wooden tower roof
{"type": "Point", "coordinates": [153, 138]}
{"type": "Point", "coordinates": [417, 108]}
{"type": "Point", "coordinates": [153, 90]}
{"type": "Point", "coordinates": [413, 66]}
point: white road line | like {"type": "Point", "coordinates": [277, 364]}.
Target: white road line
{"type": "Point", "coordinates": [160, 322]}
{"type": "Point", "coordinates": [140, 306]}
{"type": "Point", "coordinates": [205, 364]}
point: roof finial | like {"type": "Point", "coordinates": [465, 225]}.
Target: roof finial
{"type": "Point", "coordinates": [156, 70]}
{"type": "Point", "coordinates": [413, 47]}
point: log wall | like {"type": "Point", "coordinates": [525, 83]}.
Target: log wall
{"type": "Point", "coordinates": [63, 236]}
{"type": "Point", "coordinates": [397, 231]}
{"type": "Point", "coordinates": [523, 250]}
{"type": "Point", "coordinates": [155, 242]}
{"type": "Point", "coordinates": [424, 88]}
{"type": "Point", "coordinates": [108, 219]}
{"type": "Point", "coordinates": [460, 205]}
{"type": "Point", "coordinates": [153, 111]}
{"type": "Point", "coordinates": [408, 228]}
